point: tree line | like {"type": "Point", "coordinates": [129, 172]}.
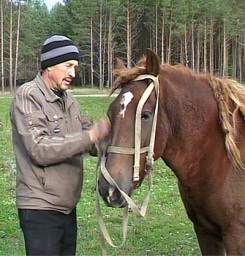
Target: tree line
{"type": "Point", "coordinates": [206, 36]}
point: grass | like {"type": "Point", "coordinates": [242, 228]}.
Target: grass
{"type": "Point", "coordinates": [87, 91]}
{"type": "Point", "coordinates": [165, 230]}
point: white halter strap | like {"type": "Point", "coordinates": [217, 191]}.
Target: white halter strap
{"type": "Point", "coordinates": [137, 150]}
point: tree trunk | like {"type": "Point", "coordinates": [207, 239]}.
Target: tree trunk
{"type": "Point", "coordinates": [198, 50]}
{"type": "Point", "coordinates": [17, 48]}
{"type": "Point", "coordinates": [192, 46]}
{"type": "Point", "coordinates": [169, 39]}
{"type": "Point", "coordinates": [100, 47]}
{"type": "Point", "coordinates": [104, 43]}
{"type": "Point", "coordinates": [221, 53]}
{"type": "Point", "coordinates": [163, 35]}
{"type": "Point", "coordinates": [181, 59]}
{"type": "Point", "coordinates": [239, 56]}
{"type": "Point", "coordinates": [211, 50]}
{"type": "Point", "coordinates": [224, 51]}
{"type": "Point", "coordinates": [11, 47]}
{"type": "Point", "coordinates": [91, 52]}
{"type": "Point", "coordinates": [234, 55]}
{"type": "Point", "coordinates": [205, 47]}
{"type": "Point", "coordinates": [129, 43]}
{"type": "Point", "coordinates": [110, 52]}
{"type": "Point", "coordinates": [156, 28]}
{"type": "Point", "coordinates": [186, 47]}
{"type": "Point", "coordinates": [2, 65]}
{"type": "Point", "coordinates": [243, 59]}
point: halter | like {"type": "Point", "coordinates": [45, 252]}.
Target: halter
{"type": "Point", "coordinates": [137, 150]}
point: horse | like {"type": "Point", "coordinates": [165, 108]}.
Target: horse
{"type": "Point", "coordinates": [199, 135]}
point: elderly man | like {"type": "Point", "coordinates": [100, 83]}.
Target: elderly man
{"type": "Point", "coordinates": [50, 134]}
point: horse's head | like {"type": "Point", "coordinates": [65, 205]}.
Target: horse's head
{"type": "Point", "coordinates": [120, 157]}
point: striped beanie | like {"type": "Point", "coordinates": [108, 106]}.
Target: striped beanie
{"type": "Point", "coordinates": [58, 49]}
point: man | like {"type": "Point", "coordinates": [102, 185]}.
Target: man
{"type": "Point", "coordinates": [50, 134]}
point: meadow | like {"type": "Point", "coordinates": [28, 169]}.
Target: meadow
{"type": "Point", "coordinates": [165, 230]}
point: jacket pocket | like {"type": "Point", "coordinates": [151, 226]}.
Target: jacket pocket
{"type": "Point", "coordinates": [63, 182]}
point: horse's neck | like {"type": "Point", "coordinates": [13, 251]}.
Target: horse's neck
{"type": "Point", "coordinates": [191, 119]}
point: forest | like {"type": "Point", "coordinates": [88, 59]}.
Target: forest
{"type": "Point", "coordinates": [206, 36]}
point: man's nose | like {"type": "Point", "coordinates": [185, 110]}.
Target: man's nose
{"type": "Point", "coordinates": [72, 72]}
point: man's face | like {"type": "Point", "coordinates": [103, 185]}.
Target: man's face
{"type": "Point", "coordinates": [61, 75]}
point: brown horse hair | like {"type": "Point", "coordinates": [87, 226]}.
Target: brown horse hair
{"type": "Point", "coordinates": [124, 75]}
{"type": "Point", "coordinates": [228, 93]}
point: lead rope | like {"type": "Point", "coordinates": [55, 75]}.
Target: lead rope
{"type": "Point", "coordinates": [136, 152]}
{"type": "Point", "coordinates": [104, 234]}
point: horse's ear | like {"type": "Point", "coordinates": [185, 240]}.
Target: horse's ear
{"type": "Point", "coordinates": [152, 63]}
{"type": "Point", "coordinates": [120, 64]}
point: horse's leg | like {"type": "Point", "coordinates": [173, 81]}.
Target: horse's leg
{"type": "Point", "coordinates": [209, 243]}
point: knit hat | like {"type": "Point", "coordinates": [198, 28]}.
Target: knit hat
{"type": "Point", "coordinates": [58, 49]}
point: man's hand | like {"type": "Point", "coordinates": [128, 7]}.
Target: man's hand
{"type": "Point", "coordinates": [99, 130]}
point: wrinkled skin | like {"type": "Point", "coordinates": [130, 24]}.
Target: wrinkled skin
{"type": "Point", "coordinates": [190, 141]}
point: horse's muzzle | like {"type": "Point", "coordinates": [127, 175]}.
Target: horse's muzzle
{"type": "Point", "coordinates": [111, 195]}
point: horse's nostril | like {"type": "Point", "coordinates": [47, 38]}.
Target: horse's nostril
{"type": "Point", "coordinates": [115, 199]}
{"type": "Point", "coordinates": [114, 194]}
{"type": "Point", "coordinates": [111, 191]}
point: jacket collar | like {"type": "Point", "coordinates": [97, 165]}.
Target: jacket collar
{"type": "Point", "coordinates": [50, 96]}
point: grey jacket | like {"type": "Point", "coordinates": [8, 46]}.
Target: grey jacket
{"type": "Point", "coordinates": [49, 138]}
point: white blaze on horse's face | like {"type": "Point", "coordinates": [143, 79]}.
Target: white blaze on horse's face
{"type": "Point", "coordinates": [125, 100]}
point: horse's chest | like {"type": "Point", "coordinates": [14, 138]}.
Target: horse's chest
{"type": "Point", "coordinates": [200, 208]}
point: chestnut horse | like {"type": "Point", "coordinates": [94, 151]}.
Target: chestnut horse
{"type": "Point", "coordinates": [200, 135]}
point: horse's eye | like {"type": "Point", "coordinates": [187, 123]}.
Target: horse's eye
{"type": "Point", "coordinates": [145, 116]}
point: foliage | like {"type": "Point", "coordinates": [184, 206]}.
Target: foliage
{"type": "Point", "coordinates": [165, 230]}
{"type": "Point", "coordinates": [148, 19]}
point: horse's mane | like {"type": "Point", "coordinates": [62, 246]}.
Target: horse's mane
{"type": "Point", "coordinates": [229, 94]}
{"type": "Point", "coordinates": [124, 75]}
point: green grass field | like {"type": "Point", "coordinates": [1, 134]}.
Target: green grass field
{"type": "Point", "coordinates": [165, 230]}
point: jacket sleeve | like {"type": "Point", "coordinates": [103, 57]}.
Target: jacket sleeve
{"type": "Point", "coordinates": [86, 124]}
{"type": "Point", "coordinates": [30, 128]}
